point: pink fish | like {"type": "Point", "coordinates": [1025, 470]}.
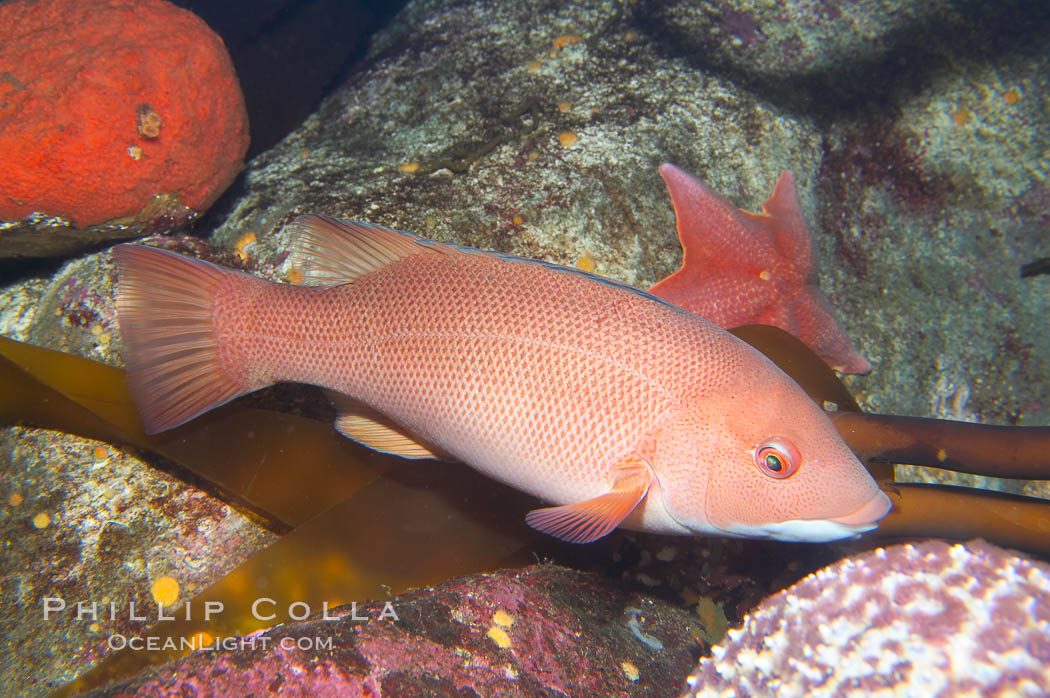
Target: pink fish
{"type": "Point", "coordinates": [619, 408]}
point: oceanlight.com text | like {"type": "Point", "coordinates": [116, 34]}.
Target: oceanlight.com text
{"type": "Point", "coordinates": [209, 644]}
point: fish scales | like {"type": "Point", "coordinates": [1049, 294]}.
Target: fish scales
{"type": "Point", "coordinates": [480, 355]}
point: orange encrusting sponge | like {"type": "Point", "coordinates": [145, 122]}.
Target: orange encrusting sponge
{"type": "Point", "coordinates": [106, 103]}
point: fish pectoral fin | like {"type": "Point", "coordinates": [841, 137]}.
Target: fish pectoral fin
{"type": "Point", "coordinates": [373, 429]}
{"type": "Point", "coordinates": [586, 522]}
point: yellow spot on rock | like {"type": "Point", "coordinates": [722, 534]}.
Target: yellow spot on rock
{"type": "Point", "coordinates": [961, 116]}
{"type": "Point", "coordinates": [713, 619]}
{"type": "Point", "coordinates": [630, 671]}
{"type": "Point", "coordinates": [563, 41]}
{"type": "Point", "coordinates": [499, 636]}
{"type": "Point", "coordinates": [1011, 96]}
{"type": "Point", "coordinates": [564, 106]}
{"type": "Point", "coordinates": [243, 245]}
{"type": "Point", "coordinates": [534, 66]}
{"type": "Point", "coordinates": [100, 453]}
{"type": "Point", "coordinates": [42, 520]}
{"type": "Point", "coordinates": [630, 36]}
{"type": "Point", "coordinates": [503, 619]}
{"type": "Point", "coordinates": [165, 590]}
{"type": "Point", "coordinates": [765, 275]}
{"type": "Point", "coordinates": [568, 139]}
{"type": "Point", "coordinates": [296, 275]}
{"type": "Point", "coordinates": [942, 455]}
{"type": "Point", "coordinates": [517, 220]}
{"type": "Point", "coordinates": [585, 263]}
{"type": "Point", "coordinates": [409, 167]}
{"type": "Point", "coordinates": [202, 638]}
{"type": "Point", "coordinates": [15, 499]}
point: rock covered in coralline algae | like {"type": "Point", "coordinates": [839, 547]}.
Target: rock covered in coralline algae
{"type": "Point", "coordinates": [929, 619]}
{"type": "Point", "coordinates": [542, 631]}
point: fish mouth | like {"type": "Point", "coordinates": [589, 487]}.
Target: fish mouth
{"type": "Point", "coordinates": [867, 517]}
{"type": "Point", "coordinates": [823, 530]}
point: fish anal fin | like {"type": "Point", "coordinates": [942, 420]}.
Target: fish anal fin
{"type": "Point", "coordinates": [373, 429]}
{"type": "Point", "coordinates": [330, 251]}
{"type": "Point", "coordinates": [587, 521]}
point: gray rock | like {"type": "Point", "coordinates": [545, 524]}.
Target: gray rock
{"type": "Point", "coordinates": [86, 522]}
{"type": "Point", "coordinates": [473, 96]}
{"type": "Point", "coordinates": [833, 57]}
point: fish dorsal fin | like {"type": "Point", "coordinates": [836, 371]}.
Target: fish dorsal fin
{"type": "Point", "coordinates": [587, 521]}
{"type": "Point", "coordinates": [331, 251]}
{"type": "Point", "coordinates": [366, 426]}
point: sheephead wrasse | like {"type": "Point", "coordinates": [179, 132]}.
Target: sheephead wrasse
{"type": "Point", "coordinates": [619, 408]}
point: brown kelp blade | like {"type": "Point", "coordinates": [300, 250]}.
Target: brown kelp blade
{"type": "Point", "coordinates": [423, 523]}
{"type": "Point", "coordinates": [962, 513]}
{"type": "Point", "coordinates": [981, 449]}
{"type": "Point", "coordinates": [798, 361]}
{"type": "Point", "coordinates": [283, 467]}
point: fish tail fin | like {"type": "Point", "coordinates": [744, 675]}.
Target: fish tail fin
{"type": "Point", "coordinates": [171, 348]}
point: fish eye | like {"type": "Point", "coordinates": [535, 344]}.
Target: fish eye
{"type": "Point", "coordinates": [778, 458]}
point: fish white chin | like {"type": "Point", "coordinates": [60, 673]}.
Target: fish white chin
{"type": "Point", "coordinates": [798, 531]}
{"type": "Point", "coordinates": [812, 531]}
{"type": "Point", "coordinates": [822, 530]}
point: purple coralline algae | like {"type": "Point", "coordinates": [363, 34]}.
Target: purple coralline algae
{"type": "Point", "coordinates": [542, 631]}
{"type": "Point", "coordinates": [925, 619]}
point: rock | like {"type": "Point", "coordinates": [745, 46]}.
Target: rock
{"type": "Point", "coordinates": [116, 119]}
{"type": "Point", "coordinates": [935, 201]}
{"type": "Point", "coordinates": [840, 56]}
{"type": "Point", "coordinates": [86, 522]}
{"type": "Point", "coordinates": [541, 631]}
{"type": "Point", "coordinates": [532, 129]}
{"type": "Point", "coordinates": [924, 619]}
